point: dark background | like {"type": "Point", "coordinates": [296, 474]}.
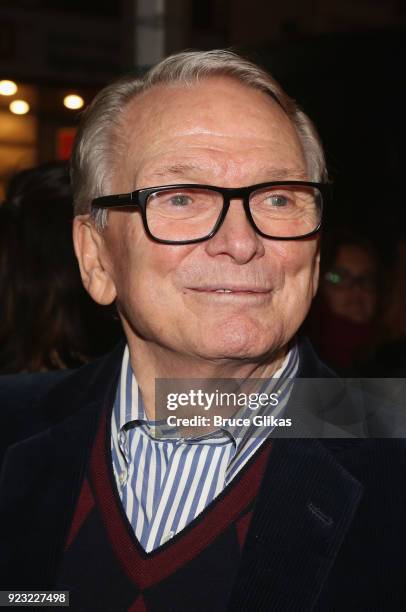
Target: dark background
{"type": "Point", "coordinates": [343, 61]}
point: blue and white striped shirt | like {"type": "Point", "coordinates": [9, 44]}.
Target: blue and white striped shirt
{"type": "Point", "coordinates": [164, 483]}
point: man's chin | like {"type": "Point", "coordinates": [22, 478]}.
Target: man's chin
{"type": "Point", "coordinates": [235, 349]}
{"type": "Point", "coordinates": [235, 338]}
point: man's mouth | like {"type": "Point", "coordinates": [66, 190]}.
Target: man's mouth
{"type": "Point", "coordinates": [245, 289]}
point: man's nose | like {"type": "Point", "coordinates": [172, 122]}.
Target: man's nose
{"type": "Point", "coordinates": [236, 236]}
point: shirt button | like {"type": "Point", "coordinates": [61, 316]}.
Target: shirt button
{"type": "Point", "coordinates": [168, 536]}
{"type": "Point", "coordinates": [122, 437]}
{"type": "Point", "coordinates": [122, 478]}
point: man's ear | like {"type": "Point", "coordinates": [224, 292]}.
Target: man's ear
{"type": "Point", "coordinates": [90, 251]}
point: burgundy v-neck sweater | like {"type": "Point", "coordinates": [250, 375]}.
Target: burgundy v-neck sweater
{"type": "Point", "coordinates": [105, 568]}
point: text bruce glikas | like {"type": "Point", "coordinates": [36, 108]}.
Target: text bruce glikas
{"type": "Point", "coordinates": [219, 421]}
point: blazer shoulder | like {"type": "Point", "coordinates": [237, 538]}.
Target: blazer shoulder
{"type": "Point", "coordinates": [21, 399]}
{"type": "Point", "coordinates": [21, 392]}
{"type": "Point", "coordinates": [31, 403]}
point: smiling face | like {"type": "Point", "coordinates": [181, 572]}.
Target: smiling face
{"type": "Point", "coordinates": [217, 132]}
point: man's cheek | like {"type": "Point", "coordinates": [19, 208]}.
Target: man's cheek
{"type": "Point", "coordinates": [291, 256]}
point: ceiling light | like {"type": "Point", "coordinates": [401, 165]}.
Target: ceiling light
{"type": "Point", "coordinates": [7, 88]}
{"type": "Point", "coordinates": [19, 107]}
{"type": "Point", "coordinates": [73, 101]}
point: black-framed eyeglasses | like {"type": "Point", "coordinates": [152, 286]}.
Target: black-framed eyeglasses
{"type": "Point", "coordinates": [188, 213]}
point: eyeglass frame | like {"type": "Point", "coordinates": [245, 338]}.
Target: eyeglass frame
{"type": "Point", "coordinates": [139, 199]}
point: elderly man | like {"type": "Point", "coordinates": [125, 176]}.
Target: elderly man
{"type": "Point", "coordinates": [199, 193]}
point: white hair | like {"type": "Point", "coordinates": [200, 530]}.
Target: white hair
{"type": "Point", "coordinates": [97, 143]}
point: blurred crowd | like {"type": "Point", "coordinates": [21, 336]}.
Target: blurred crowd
{"type": "Point", "coordinates": [47, 320]}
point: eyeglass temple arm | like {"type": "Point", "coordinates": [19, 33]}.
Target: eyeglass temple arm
{"type": "Point", "coordinates": [123, 199]}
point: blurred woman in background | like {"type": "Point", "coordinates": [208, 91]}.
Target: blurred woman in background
{"type": "Point", "coordinates": [342, 321]}
{"type": "Point", "coordinates": [47, 320]}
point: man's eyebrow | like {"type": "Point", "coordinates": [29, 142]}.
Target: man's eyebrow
{"type": "Point", "coordinates": [177, 170]}
{"type": "Point", "coordinates": [269, 174]}
{"type": "Point", "coordinates": [281, 174]}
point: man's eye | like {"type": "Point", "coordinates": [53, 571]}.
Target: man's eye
{"type": "Point", "coordinates": [277, 200]}
{"type": "Point", "coordinates": [180, 200]}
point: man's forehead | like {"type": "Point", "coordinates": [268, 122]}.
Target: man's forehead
{"type": "Point", "coordinates": [173, 133]}
{"type": "Point", "coordinates": [163, 102]}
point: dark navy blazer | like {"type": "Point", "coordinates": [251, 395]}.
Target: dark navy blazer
{"type": "Point", "coordinates": [329, 526]}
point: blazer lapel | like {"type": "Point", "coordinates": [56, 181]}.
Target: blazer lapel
{"type": "Point", "coordinates": [305, 507]}
{"type": "Point", "coordinates": [306, 503]}
{"type": "Point", "coordinates": [42, 475]}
